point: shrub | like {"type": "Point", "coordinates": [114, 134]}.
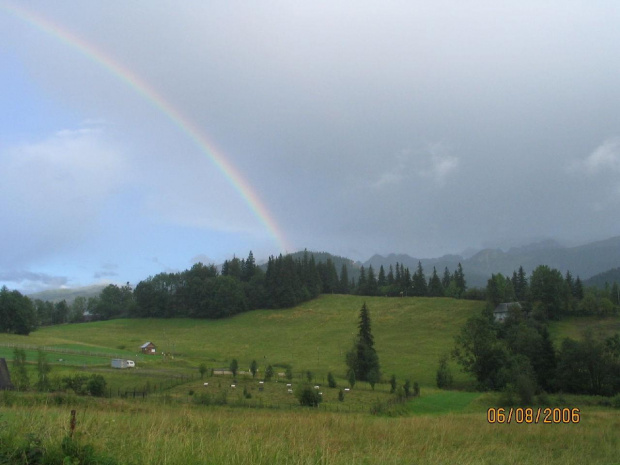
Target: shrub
{"type": "Point", "coordinates": [351, 377]}
{"type": "Point", "coordinates": [76, 383]}
{"type": "Point", "coordinates": [96, 386]}
{"type": "Point", "coordinates": [308, 396]}
{"type": "Point", "coordinates": [444, 375]}
{"type": "Point", "coordinates": [407, 388]}
{"type": "Point", "coordinates": [393, 384]}
{"type": "Point", "coordinates": [331, 381]}
{"type": "Point", "coordinates": [234, 366]}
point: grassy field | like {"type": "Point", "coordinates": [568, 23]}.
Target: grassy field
{"type": "Point", "coordinates": [576, 327]}
{"type": "Point", "coordinates": [410, 334]}
{"type": "Point", "coordinates": [145, 433]}
{"type": "Point", "coordinates": [178, 421]}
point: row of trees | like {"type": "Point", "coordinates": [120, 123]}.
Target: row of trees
{"type": "Point", "coordinates": [402, 282]}
{"type": "Point", "coordinates": [203, 291]}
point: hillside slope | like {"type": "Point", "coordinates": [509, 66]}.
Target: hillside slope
{"type": "Point", "coordinates": [410, 335]}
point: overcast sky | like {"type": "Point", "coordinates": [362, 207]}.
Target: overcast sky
{"type": "Point", "coordinates": [360, 127]}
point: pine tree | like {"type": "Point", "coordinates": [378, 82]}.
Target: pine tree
{"type": "Point", "coordinates": [578, 289]}
{"type": "Point", "coordinates": [522, 287]}
{"type": "Point", "coordinates": [361, 282]}
{"type": "Point", "coordinates": [460, 279]}
{"type": "Point", "coordinates": [344, 280]}
{"type": "Point", "coordinates": [371, 283]}
{"type": "Point", "coordinates": [249, 268]}
{"type": "Point", "coordinates": [381, 281]}
{"type": "Point", "coordinates": [445, 281]}
{"type": "Point", "coordinates": [420, 289]}
{"type": "Point", "coordinates": [435, 288]}
{"type": "Point", "coordinates": [330, 280]}
{"type": "Point", "coordinates": [363, 359]}
{"type": "Point", "coordinates": [405, 279]}
{"type": "Point", "coordinates": [515, 283]}
{"type": "Point", "coordinates": [390, 276]}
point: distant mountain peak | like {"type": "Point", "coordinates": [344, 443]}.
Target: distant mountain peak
{"type": "Point", "coordinates": [545, 244]}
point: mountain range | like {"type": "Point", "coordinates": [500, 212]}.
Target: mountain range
{"type": "Point", "coordinates": [584, 261]}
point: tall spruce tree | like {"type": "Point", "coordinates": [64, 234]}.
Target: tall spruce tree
{"type": "Point", "coordinates": [363, 359]}
{"type": "Point", "coordinates": [435, 288]}
{"type": "Point", "coordinates": [390, 276]}
{"type": "Point", "coordinates": [420, 288]}
{"type": "Point", "coordinates": [361, 281]}
{"type": "Point", "coordinates": [371, 282]}
{"type": "Point", "coordinates": [344, 280]}
{"type": "Point", "coordinates": [381, 281]}
{"type": "Point", "coordinates": [445, 281]}
{"type": "Point", "coordinates": [459, 276]}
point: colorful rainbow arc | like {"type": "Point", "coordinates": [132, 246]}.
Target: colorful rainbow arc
{"type": "Point", "coordinates": [182, 122]}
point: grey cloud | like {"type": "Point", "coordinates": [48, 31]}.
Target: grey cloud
{"type": "Point", "coordinates": [33, 278]}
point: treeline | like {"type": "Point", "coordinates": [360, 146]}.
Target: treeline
{"type": "Point", "coordinates": [547, 294]}
{"type": "Point", "coordinates": [399, 281]}
{"type": "Point", "coordinates": [241, 285]}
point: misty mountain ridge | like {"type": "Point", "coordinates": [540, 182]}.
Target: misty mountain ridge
{"type": "Point", "coordinates": [584, 261]}
{"type": "Point", "coordinates": [68, 294]}
{"type": "Point", "coordinates": [599, 259]}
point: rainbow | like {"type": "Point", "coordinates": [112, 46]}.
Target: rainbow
{"type": "Point", "coordinates": [140, 86]}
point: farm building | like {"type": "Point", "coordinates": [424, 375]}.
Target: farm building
{"type": "Point", "coordinates": [5, 377]}
{"type": "Point", "coordinates": [502, 311]}
{"type": "Point", "coordinates": [148, 348]}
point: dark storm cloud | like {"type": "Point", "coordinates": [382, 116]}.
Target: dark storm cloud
{"type": "Point", "coordinates": [418, 127]}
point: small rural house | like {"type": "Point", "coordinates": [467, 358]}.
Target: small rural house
{"type": "Point", "coordinates": [5, 378]}
{"type": "Point", "coordinates": [148, 348]}
{"type": "Point", "coordinates": [502, 311]}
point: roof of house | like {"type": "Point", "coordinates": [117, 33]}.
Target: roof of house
{"type": "Point", "coordinates": [504, 307]}
{"type": "Point", "coordinates": [145, 345]}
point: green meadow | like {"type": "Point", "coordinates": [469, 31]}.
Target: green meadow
{"type": "Point", "coordinates": [410, 336]}
{"type": "Point", "coordinates": [181, 420]}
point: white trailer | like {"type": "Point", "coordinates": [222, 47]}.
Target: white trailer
{"type": "Point", "coordinates": [122, 363]}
